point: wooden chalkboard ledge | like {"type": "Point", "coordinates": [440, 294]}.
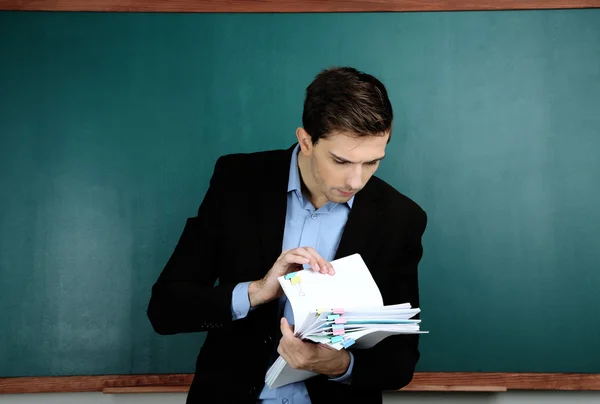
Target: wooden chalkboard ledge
{"type": "Point", "coordinates": [411, 387]}
{"type": "Point", "coordinates": [146, 389]}
{"type": "Point", "coordinates": [422, 381]}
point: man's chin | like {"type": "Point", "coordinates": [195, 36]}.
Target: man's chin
{"type": "Point", "coordinates": [338, 198]}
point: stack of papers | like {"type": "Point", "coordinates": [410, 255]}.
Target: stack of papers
{"type": "Point", "coordinates": [341, 311]}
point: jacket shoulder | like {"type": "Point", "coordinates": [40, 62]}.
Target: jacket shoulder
{"type": "Point", "coordinates": [397, 206]}
{"type": "Point", "coordinates": [249, 169]}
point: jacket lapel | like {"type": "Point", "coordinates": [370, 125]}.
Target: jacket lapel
{"type": "Point", "coordinates": [272, 208]}
{"type": "Point", "coordinates": [363, 219]}
{"type": "Point", "coordinates": [272, 200]}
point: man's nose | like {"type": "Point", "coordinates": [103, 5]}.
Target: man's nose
{"type": "Point", "coordinates": [354, 181]}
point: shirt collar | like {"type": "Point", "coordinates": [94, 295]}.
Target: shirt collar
{"type": "Point", "coordinates": [294, 177]}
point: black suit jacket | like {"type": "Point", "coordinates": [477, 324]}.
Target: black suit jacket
{"type": "Point", "coordinates": [236, 237]}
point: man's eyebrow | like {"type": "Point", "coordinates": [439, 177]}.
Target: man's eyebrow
{"type": "Point", "coordinates": [352, 162]}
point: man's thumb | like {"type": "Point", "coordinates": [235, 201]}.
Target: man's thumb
{"type": "Point", "coordinates": [285, 327]}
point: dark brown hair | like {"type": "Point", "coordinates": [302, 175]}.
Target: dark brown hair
{"type": "Point", "coordinates": [346, 99]}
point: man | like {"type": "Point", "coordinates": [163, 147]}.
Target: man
{"type": "Point", "coordinates": [269, 213]}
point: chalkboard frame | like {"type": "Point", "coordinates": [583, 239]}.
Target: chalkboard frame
{"type": "Point", "coordinates": [292, 6]}
{"type": "Point", "coordinates": [422, 381]}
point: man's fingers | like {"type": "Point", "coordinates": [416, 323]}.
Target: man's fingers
{"type": "Point", "coordinates": [324, 266]}
{"type": "Point", "coordinates": [308, 255]}
{"type": "Point", "coordinates": [319, 263]}
{"type": "Point", "coordinates": [291, 258]}
{"type": "Point", "coordinates": [284, 252]}
{"type": "Point", "coordinates": [303, 252]}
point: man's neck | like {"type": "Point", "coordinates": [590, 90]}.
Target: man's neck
{"type": "Point", "coordinates": [307, 183]}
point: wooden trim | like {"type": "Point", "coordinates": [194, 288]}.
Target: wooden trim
{"type": "Point", "coordinates": [412, 387]}
{"type": "Point", "coordinates": [288, 6]}
{"type": "Point", "coordinates": [512, 381]}
{"type": "Point", "coordinates": [146, 389]}
{"type": "Point", "coordinates": [88, 383]}
{"type": "Point", "coordinates": [431, 387]}
{"type": "Point", "coordinates": [423, 381]}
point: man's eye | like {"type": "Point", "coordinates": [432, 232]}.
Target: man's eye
{"type": "Point", "coordinates": [372, 163]}
{"type": "Point", "coordinates": [339, 162]}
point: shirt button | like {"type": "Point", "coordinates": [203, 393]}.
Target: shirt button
{"type": "Point", "coordinates": [285, 401]}
{"type": "Point", "coordinates": [314, 217]}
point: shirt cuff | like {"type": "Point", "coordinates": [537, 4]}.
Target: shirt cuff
{"type": "Point", "coordinates": [345, 378]}
{"type": "Point", "coordinates": [240, 302]}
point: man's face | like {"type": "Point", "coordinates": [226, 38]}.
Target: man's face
{"type": "Point", "coordinates": [341, 164]}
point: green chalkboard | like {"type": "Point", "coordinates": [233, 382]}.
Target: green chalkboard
{"type": "Point", "coordinates": [110, 125]}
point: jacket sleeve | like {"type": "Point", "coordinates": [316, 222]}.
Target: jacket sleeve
{"type": "Point", "coordinates": [184, 298]}
{"type": "Point", "coordinates": [390, 364]}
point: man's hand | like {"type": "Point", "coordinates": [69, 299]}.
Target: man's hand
{"type": "Point", "coordinates": [268, 288]}
{"type": "Point", "coordinates": [317, 358]}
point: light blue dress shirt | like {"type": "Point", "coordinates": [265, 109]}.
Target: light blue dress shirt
{"type": "Point", "coordinates": [320, 229]}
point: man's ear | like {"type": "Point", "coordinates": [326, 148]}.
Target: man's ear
{"type": "Point", "coordinates": [305, 141]}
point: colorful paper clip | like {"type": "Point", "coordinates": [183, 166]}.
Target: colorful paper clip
{"type": "Point", "coordinates": [340, 321]}
{"type": "Point", "coordinates": [337, 326]}
{"type": "Point", "coordinates": [338, 311]}
{"type": "Point", "coordinates": [339, 332]}
{"type": "Point", "coordinates": [290, 276]}
{"type": "Point", "coordinates": [347, 342]}
{"type": "Point", "coordinates": [337, 339]}
{"type": "Point", "coordinates": [319, 311]}
{"type": "Point", "coordinates": [333, 316]}
{"type": "Point", "coordinates": [297, 282]}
